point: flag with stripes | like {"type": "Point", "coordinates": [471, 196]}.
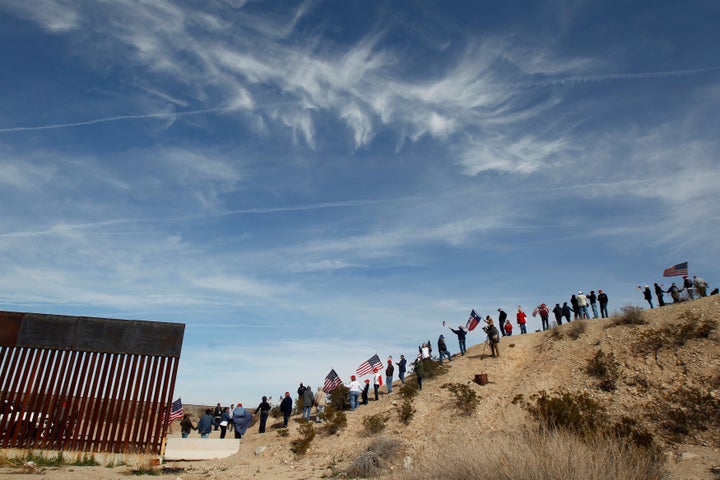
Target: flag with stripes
{"type": "Point", "coordinates": [472, 321]}
{"type": "Point", "coordinates": [331, 381]}
{"type": "Point", "coordinates": [176, 410]}
{"type": "Point", "coordinates": [675, 270]}
{"type": "Point", "coordinates": [369, 365]}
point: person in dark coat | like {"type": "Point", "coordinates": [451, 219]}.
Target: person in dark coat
{"type": "Point", "coordinates": [286, 408]}
{"type": "Point", "coordinates": [659, 292]}
{"type": "Point", "coordinates": [575, 307]}
{"type": "Point", "coordinates": [603, 301]}
{"type": "Point", "coordinates": [186, 426]}
{"type": "Point", "coordinates": [502, 317]}
{"type": "Point", "coordinates": [566, 311]}
{"type": "Point", "coordinates": [419, 372]}
{"type": "Point", "coordinates": [308, 399]}
{"type": "Point", "coordinates": [264, 410]}
{"type": "Point", "coordinates": [402, 368]}
{"type": "Point", "coordinates": [558, 312]}
{"type": "Point", "coordinates": [225, 419]}
{"type": "Point", "coordinates": [461, 334]}
{"type": "Point", "coordinates": [493, 337]}
{"type": "Point", "coordinates": [647, 294]}
{"type": "Point", "coordinates": [205, 425]}
{"type": "Point", "coordinates": [365, 392]}
{"type": "Point", "coordinates": [674, 292]}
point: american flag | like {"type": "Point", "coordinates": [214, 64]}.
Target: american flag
{"type": "Point", "coordinates": [331, 381]}
{"type": "Point", "coordinates": [369, 365]}
{"type": "Point", "coordinates": [176, 410]}
{"type": "Point", "coordinates": [675, 270]}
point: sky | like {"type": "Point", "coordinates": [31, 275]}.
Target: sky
{"type": "Point", "coordinates": [306, 184]}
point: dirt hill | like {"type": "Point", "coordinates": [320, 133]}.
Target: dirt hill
{"type": "Point", "coordinates": [665, 380]}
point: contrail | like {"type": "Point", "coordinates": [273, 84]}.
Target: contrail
{"type": "Point", "coordinates": [115, 119]}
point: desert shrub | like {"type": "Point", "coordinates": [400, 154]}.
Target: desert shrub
{"type": "Point", "coordinates": [691, 327]}
{"type": "Point", "coordinates": [545, 454]}
{"type": "Point", "coordinates": [406, 411]}
{"type": "Point", "coordinates": [375, 423]}
{"type": "Point", "coordinates": [574, 412]}
{"type": "Point", "coordinates": [650, 341]}
{"type": "Point", "coordinates": [335, 420]}
{"type": "Point", "coordinates": [275, 412]}
{"type": "Point", "coordinates": [686, 410]}
{"type": "Point", "coordinates": [604, 367]}
{"type": "Point", "coordinates": [307, 433]}
{"type": "Point", "coordinates": [85, 460]}
{"type": "Point", "coordinates": [339, 399]}
{"type": "Point", "coordinates": [283, 432]}
{"type": "Point", "coordinates": [466, 400]}
{"type": "Point", "coordinates": [630, 429]}
{"type": "Point", "coordinates": [433, 368]}
{"type": "Point", "coordinates": [410, 389]}
{"type": "Point", "coordinates": [575, 329]}
{"type": "Point", "coordinates": [694, 326]}
{"type": "Point", "coordinates": [629, 315]}
{"type": "Point", "coordinates": [370, 462]}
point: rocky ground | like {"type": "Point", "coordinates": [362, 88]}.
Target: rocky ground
{"type": "Point", "coordinates": [550, 361]}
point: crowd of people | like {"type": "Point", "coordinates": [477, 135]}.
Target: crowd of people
{"type": "Point", "coordinates": [689, 290]}
{"type": "Point", "coordinates": [582, 306]}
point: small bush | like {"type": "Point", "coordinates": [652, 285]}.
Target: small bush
{"type": "Point", "coordinates": [574, 412]}
{"type": "Point", "coordinates": [275, 412]}
{"type": "Point", "coordinates": [690, 327]}
{"type": "Point", "coordinates": [686, 410]}
{"type": "Point", "coordinates": [629, 315]}
{"type": "Point", "coordinates": [604, 367]}
{"type": "Point", "coordinates": [370, 462]}
{"type": "Point", "coordinates": [466, 400]}
{"type": "Point", "coordinates": [283, 432]}
{"type": "Point", "coordinates": [335, 420]}
{"type": "Point", "coordinates": [410, 389]}
{"type": "Point", "coordinates": [406, 411]}
{"type": "Point", "coordinates": [575, 329]}
{"type": "Point", "coordinates": [433, 368]}
{"type": "Point", "coordinates": [300, 446]}
{"type": "Point", "coordinates": [375, 423]}
{"type": "Point", "coordinates": [86, 460]}
{"type": "Point", "coordinates": [339, 399]}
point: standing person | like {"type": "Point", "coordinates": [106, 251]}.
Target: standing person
{"type": "Point", "coordinates": [688, 285]}
{"type": "Point", "coordinates": [424, 351]}
{"type": "Point", "coordinates": [308, 400]}
{"type": "Point", "coordinates": [320, 404]}
{"type": "Point", "coordinates": [674, 292]}
{"type": "Point", "coordinates": [582, 305]}
{"type": "Point", "coordinates": [365, 392]}
{"type": "Point", "coordinates": [659, 292]}
{"type": "Point", "coordinates": [442, 349]}
{"type": "Point", "coordinates": [301, 391]}
{"type": "Point", "coordinates": [502, 317]}
{"type": "Point", "coordinates": [647, 294]}
{"type": "Point", "coordinates": [544, 312]}
{"type": "Point", "coordinates": [389, 371]}
{"type": "Point", "coordinates": [429, 346]}
{"type": "Point", "coordinates": [264, 410]}
{"type": "Point", "coordinates": [461, 334]}
{"type": "Point", "coordinates": [567, 311]}
{"type": "Point", "coordinates": [521, 319]}
{"type": "Point", "coordinates": [286, 408]}
{"type": "Point", "coordinates": [224, 420]}
{"type": "Point", "coordinates": [593, 303]}
{"type": "Point", "coordinates": [402, 368]}
{"type": "Point", "coordinates": [205, 425]}
{"type": "Point", "coordinates": [575, 307]}
{"type": "Point", "coordinates": [419, 372]}
{"type": "Point", "coordinates": [493, 337]}
{"type": "Point", "coordinates": [700, 286]}
{"type": "Point", "coordinates": [603, 301]}
{"type": "Point", "coordinates": [217, 413]}
{"type": "Point", "coordinates": [354, 392]}
{"type": "Point", "coordinates": [186, 426]}
{"type": "Point", "coordinates": [241, 420]}
{"type": "Point", "coordinates": [558, 312]}
{"type": "Point", "coordinates": [377, 382]}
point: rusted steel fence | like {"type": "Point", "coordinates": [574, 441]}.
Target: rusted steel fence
{"type": "Point", "coordinates": [86, 384]}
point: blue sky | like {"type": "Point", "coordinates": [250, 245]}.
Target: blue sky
{"type": "Point", "coordinates": [304, 184]}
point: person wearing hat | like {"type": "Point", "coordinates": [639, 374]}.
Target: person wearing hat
{"type": "Point", "coordinates": [242, 419]}
{"type": "Point", "coordinates": [603, 301]}
{"type": "Point", "coordinates": [544, 312]}
{"type": "Point", "coordinates": [365, 392]}
{"type": "Point", "coordinates": [354, 392]}
{"type": "Point", "coordinates": [286, 408]}
{"type": "Point", "coordinates": [442, 349]}
{"type": "Point", "coordinates": [582, 305]}
{"type": "Point", "coordinates": [377, 381]}
{"type": "Point", "coordinates": [461, 334]}
{"type": "Point", "coordinates": [502, 317]}
{"type": "Point", "coordinates": [493, 337]}
{"type": "Point", "coordinates": [521, 320]}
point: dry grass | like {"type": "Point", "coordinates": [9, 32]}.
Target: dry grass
{"type": "Point", "coordinates": [371, 462]}
{"type": "Point", "coordinates": [536, 455]}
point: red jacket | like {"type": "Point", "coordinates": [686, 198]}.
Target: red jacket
{"type": "Point", "coordinates": [521, 318]}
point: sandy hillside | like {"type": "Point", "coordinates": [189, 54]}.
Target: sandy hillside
{"type": "Point", "coordinates": [527, 365]}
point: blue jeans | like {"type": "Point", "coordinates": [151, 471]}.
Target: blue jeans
{"type": "Point", "coordinates": [306, 412]}
{"type": "Point", "coordinates": [354, 400]}
{"type": "Point", "coordinates": [445, 353]}
{"type": "Point", "coordinates": [523, 328]}
{"type": "Point", "coordinates": [603, 310]}
{"type": "Point", "coordinates": [462, 346]}
{"type": "Point", "coordinates": [402, 377]}
{"type": "Point", "coordinates": [389, 382]}
{"type": "Point", "coordinates": [583, 311]}
{"type": "Point", "coordinates": [594, 309]}
{"type": "Point", "coordinates": [545, 323]}
{"type": "Point", "coordinates": [204, 435]}
{"type": "Point", "coordinates": [185, 434]}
